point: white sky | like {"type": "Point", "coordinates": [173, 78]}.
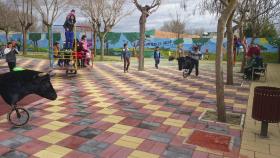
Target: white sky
{"type": "Point", "coordinates": [166, 12]}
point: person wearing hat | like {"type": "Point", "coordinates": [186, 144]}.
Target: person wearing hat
{"type": "Point", "coordinates": [10, 53]}
{"type": "Point", "coordinates": [157, 57]}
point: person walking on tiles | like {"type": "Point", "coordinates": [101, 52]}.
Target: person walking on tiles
{"type": "Point", "coordinates": [157, 57]}
{"type": "Point", "coordinates": [126, 57]}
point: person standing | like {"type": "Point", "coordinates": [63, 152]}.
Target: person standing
{"type": "Point", "coordinates": [69, 28]}
{"type": "Point", "coordinates": [157, 57]}
{"type": "Point", "coordinates": [10, 53]}
{"type": "Point", "coordinates": [195, 55]}
{"type": "Point", "coordinates": [126, 57]}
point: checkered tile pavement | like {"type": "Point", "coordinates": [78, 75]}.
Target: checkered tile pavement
{"type": "Point", "coordinates": [105, 113]}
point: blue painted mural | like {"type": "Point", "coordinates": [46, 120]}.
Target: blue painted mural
{"type": "Point", "coordinates": [116, 40]}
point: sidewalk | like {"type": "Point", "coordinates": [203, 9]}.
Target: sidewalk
{"type": "Point", "coordinates": [252, 145]}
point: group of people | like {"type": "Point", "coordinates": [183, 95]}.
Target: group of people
{"type": "Point", "coordinates": [82, 53]}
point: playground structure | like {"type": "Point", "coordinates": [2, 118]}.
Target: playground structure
{"type": "Point", "coordinates": [70, 58]}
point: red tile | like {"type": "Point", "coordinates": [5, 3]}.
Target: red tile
{"type": "Point", "coordinates": [71, 129]}
{"type": "Point", "coordinates": [173, 130]}
{"type": "Point", "coordinates": [78, 154]}
{"type": "Point", "coordinates": [122, 153]}
{"type": "Point", "coordinates": [72, 142]}
{"type": "Point", "coordinates": [130, 122]}
{"type": "Point", "coordinates": [138, 132]}
{"type": "Point", "coordinates": [110, 151]}
{"type": "Point", "coordinates": [3, 150]}
{"type": "Point", "coordinates": [177, 141]}
{"type": "Point", "coordinates": [102, 125]}
{"type": "Point", "coordinates": [6, 135]}
{"type": "Point", "coordinates": [103, 136]}
{"type": "Point", "coordinates": [199, 154]}
{"type": "Point", "coordinates": [158, 148]}
{"type": "Point", "coordinates": [37, 132]}
{"type": "Point", "coordinates": [70, 119]}
{"type": "Point", "coordinates": [162, 128]}
{"type": "Point", "coordinates": [33, 147]}
{"type": "Point", "coordinates": [147, 145]}
{"type": "Point", "coordinates": [39, 121]}
{"type": "Point", "coordinates": [112, 138]}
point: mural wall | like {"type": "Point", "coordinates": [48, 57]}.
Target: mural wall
{"type": "Point", "coordinates": [39, 41]}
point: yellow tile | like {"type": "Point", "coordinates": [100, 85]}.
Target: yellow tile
{"type": "Point", "coordinates": [59, 150]}
{"type": "Point", "coordinates": [171, 94]}
{"type": "Point", "coordinates": [54, 109]}
{"type": "Point", "coordinates": [99, 99]}
{"type": "Point", "coordinates": [162, 114]}
{"type": "Point", "coordinates": [129, 142]}
{"type": "Point", "coordinates": [141, 154]}
{"type": "Point", "coordinates": [185, 132]}
{"type": "Point", "coordinates": [229, 100]}
{"type": "Point", "coordinates": [191, 103]}
{"type": "Point", "coordinates": [247, 153]}
{"type": "Point", "coordinates": [262, 155]}
{"type": "Point", "coordinates": [211, 96]}
{"type": "Point", "coordinates": [113, 119]}
{"type": "Point", "coordinates": [58, 123]}
{"type": "Point", "coordinates": [118, 128]}
{"type": "Point", "coordinates": [132, 92]}
{"type": "Point", "coordinates": [241, 106]}
{"type": "Point", "coordinates": [107, 111]}
{"type": "Point", "coordinates": [51, 127]}
{"type": "Point", "coordinates": [180, 98]}
{"type": "Point", "coordinates": [173, 122]}
{"type": "Point", "coordinates": [102, 105]}
{"type": "Point", "coordinates": [53, 137]}
{"type": "Point", "coordinates": [136, 96]}
{"type": "Point", "coordinates": [54, 116]}
{"type": "Point", "coordinates": [200, 109]}
{"type": "Point", "coordinates": [143, 101]}
{"type": "Point", "coordinates": [47, 154]}
{"type": "Point", "coordinates": [152, 107]}
{"type": "Point", "coordinates": [209, 150]}
{"type": "Point", "coordinates": [56, 103]}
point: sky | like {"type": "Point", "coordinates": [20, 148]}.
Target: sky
{"type": "Point", "coordinates": [167, 10]}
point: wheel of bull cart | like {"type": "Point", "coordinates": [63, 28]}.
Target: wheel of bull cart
{"type": "Point", "coordinates": [18, 116]}
{"type": "Point", "coordinates": [185, 74]}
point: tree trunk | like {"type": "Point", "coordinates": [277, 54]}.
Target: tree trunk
{"type": "Point", "coordinates": [142, 42]}
{"type": "Point", "coordinates": [94, 42]}
{"type": "Point", "coordinates": [219, 65]}
{"type": "Point", "coordinates": [230, 50]}
{"type": "Point", "coordinates": [278, 54]}
{"type": "Point", "coordinates": [243, 39]}
{"type": "Point", "coordinates": [6, 35]}
{"type": "Point", "coordinates": [102, 41]}
{"type": "Point", "coordinates": [24, 42]}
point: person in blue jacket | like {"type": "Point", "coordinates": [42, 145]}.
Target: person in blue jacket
{"type": "Point", "coordinates": [157, 56]}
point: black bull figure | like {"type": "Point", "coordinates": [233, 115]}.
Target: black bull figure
{"type": "Point", "coordinates": [15, 85]}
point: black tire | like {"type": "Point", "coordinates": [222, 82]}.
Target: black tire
{"type": "Point", "coordinates": [20, 113]}
{"type": "Point", "coordinates": [67, 72]}
{"type": "Point", "coordinates": [75, 72]}
{"type": "Point", "coordinates": [185, 74]}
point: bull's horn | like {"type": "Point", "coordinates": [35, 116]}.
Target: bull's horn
{"type": "Point", "coordinates": [42, 74]}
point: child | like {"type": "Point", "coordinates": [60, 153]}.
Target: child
{"type": "Point", "coordinates": [206, 55]}
{"type": "Point", "coordinates": [85, 51]}
{"type": "Point", "coordinates": [57, 55]}
{"type": "Point", "coordinates": [157, 57]}
{"type": "Point", "coordinates": [126, 57]}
